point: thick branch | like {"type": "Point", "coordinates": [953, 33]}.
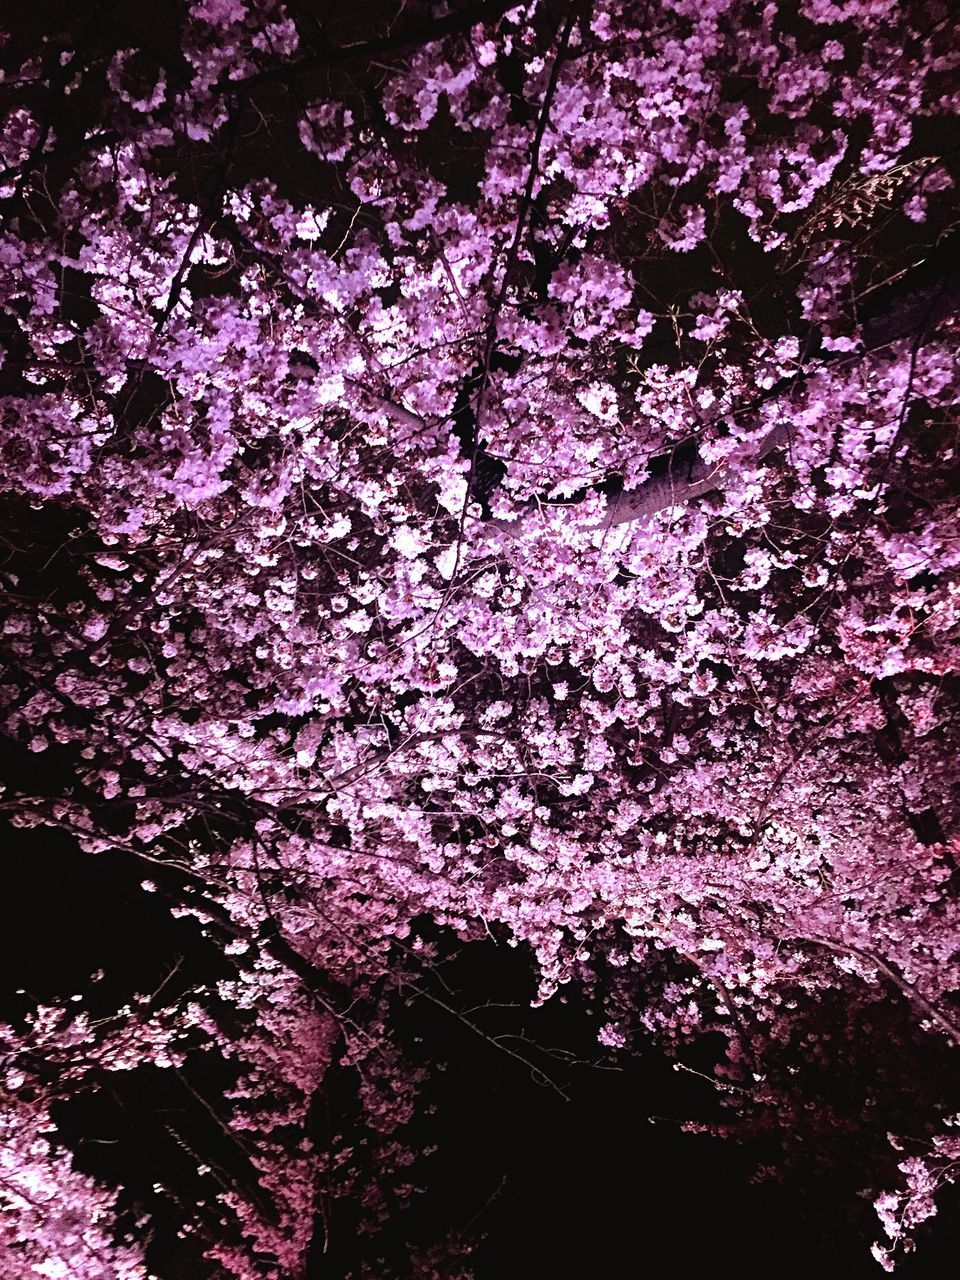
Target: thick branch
{"type": "Point", "coordinates": [929, 309]}
{"type": "Point", "coordinates": [660, 493]}
{"type": "Point", "coordinates": [911, 993]}
{"type": "Point", "coordinates": [663, 492]}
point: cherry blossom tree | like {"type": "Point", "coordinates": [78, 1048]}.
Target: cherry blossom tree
{"type": "Point", "coordinates": [494, 466]}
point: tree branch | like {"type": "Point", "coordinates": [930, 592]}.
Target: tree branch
{"type": "Point", "coordinates": [912, 994]}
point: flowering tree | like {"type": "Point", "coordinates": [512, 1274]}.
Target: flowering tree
{"type": "Point", "coordinates": [488, 465]}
